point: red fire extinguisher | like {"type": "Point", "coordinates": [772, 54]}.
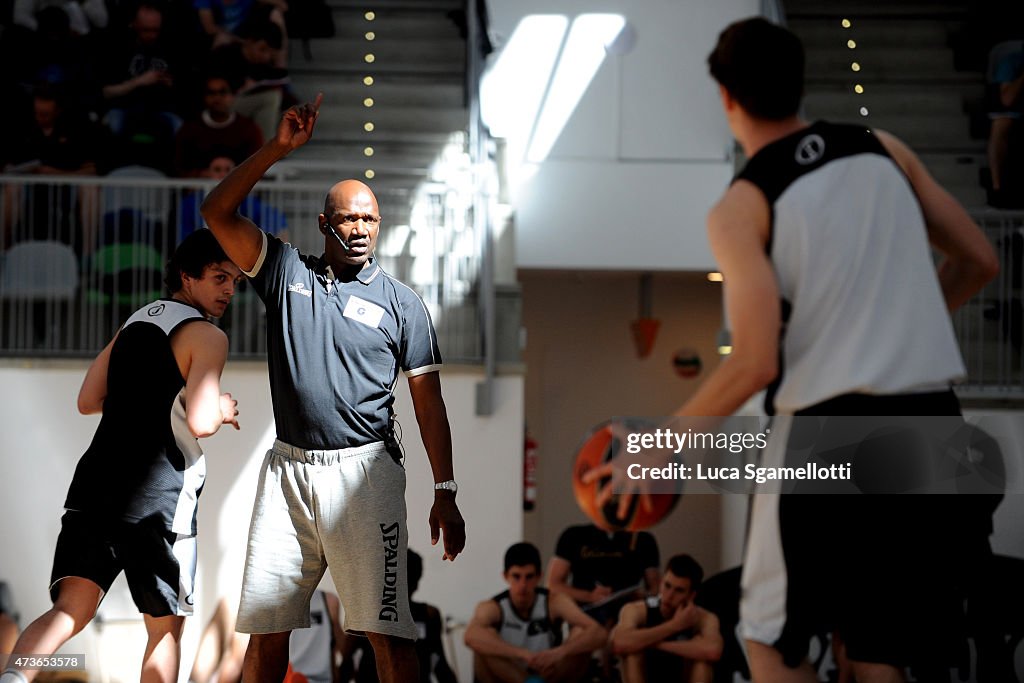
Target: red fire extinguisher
{"type": "Point", "coordinates": [529, 473]}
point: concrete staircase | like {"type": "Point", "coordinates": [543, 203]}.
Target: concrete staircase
{"type": "Point", "coordinates": [911, 88]}
{"type": "Point", "coordinates": [417, 93]}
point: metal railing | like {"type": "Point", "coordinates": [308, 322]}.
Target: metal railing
{"type": "Point", "coordinates": [78, 255]}
{"type": "Point", "coordinates": [989, 326]}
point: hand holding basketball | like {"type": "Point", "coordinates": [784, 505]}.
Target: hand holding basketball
{"type": "Point", "coordinates": [603, 491]}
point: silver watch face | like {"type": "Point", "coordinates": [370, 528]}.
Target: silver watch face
{"type": "Point", "coordinates": [446, 486]}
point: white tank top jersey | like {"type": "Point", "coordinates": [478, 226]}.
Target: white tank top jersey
{"type": "Point", "coordinates": [862, 309]}
{"type": "Point", "coordinates": [536, 632]}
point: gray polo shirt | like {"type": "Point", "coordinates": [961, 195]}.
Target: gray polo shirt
{"type": "Point", "coordinates": [335, 348]}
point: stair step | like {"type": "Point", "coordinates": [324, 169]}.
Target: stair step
{"type": "Point", "coordinates": [859, 9]}
{"type": "Point", "coordinates": [347, 120]}
{"type": "Point", "coordinates": [927, 132]}
{"type": "Point", "coordinates": [884, 99]}
{"type": "Point", "coordinates": [405, 5]}
{"type": "Point", "coordinates": [351, 24]}
{"type": "Point", "coordinates": [952, 169]}
{"type": "Point", "coordinates": [828, 32]}
{"type": "Point", "coordinates": [388, 154]}
{"type": "Point", "coordinates": [881, 62]}
{"type": "Point", "coordinates": [443, 71]}
{"type": "Point", "coordinates": [938, 133]}
{"type": "Point", "coordinates": [330, 51]}
{"type": "Point", "coordinates": [384, 92]}
{"type": "Point", "coordinates": [380, 136]}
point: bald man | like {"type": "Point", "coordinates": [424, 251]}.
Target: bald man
{"type": "Point", "coordinates": [332, 488]}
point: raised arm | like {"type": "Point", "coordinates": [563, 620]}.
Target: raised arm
{"type": "Point", "coordinates": [241, 239]}
{"type": "Point", "coordinates": [483, 638]}
{"type": "Point", "coordinates": [969, 261]}
{"type": "Point", "coordinates": [432, 417]}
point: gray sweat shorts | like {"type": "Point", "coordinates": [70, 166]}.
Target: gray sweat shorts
{"type": "Point", "coordinates": [343, 508]}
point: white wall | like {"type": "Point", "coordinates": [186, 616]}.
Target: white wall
{"type": "Point", "coordinates": [642, 156]}
{"type": "Point", "coordinates": [44, 437]}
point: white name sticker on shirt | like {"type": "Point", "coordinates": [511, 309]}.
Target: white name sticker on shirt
{"type": "Point", "coordinates": [363, 311]}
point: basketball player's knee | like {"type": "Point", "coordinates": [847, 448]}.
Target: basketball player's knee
{"type": "Point", "coordinates": [76, 612]}
{"type": "Point", "coordinates": [158, 628]}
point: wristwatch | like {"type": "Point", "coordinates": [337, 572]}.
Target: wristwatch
{"type": "Point", "coordinates": [449, 485]}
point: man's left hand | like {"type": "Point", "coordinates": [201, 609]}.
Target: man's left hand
{"type": "Point", "coordinates": [445, 517]}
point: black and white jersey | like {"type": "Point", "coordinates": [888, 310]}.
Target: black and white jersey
{"type": "Point", "coordinates": [862, 308]}
{"type": "Point", "coordinates": [536, 631]}
{"type": "Point", "coordinates": [144, 463]}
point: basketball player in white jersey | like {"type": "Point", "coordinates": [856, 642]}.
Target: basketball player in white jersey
{"type": "Point", "coordinates": [837, 308]}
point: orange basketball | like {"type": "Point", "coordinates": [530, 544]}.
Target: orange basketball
{"type": "Point", "coordinates": [600, 446]}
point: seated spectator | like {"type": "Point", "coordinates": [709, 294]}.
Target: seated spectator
{"type": "Point", "coordinates": [84, 15]}
{"type": "Point", "coordinates": [518, 634]}
{"type": "Point", "coordinates": [222, 19]}
{"type": "Point", "coordinates": [429, 648]}
{"type": "Point", "coordinates": [54, 57]}
{"type": "Point", "coordinates": [667, 637]}
{"type": "Point", "coordinates": [217, 132]}
{"type": "Point", "coordinates": [270, 219]}
{"type": "Point", "coordinates": [52, 142]}
{"type": "Point", "coordinates": [592, 565]}
{"type": "Point", "coordinates": [253, 63]}
{"type": "Point", "coordinates": [1006, 142]}
{"type": "Point", "coordinates": [138, 74]}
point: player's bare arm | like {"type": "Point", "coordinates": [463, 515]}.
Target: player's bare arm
{"type": "Point", "coordinates": [206, 409]}
{"type": "Point", "coordinates": [483, 638]}
{"type": "Point", "coordinates": [969, 261]}
{"type": "Point", "coordinates": [630, 635]}
{"type": "Point", "coordinates": [705, 646]}
{"type": "Point", "coordinates": [94, 386]}
{"type": "Point", "coordinates": [241, 239]}
{"type": "Point", "coordinates": [587, 635]}
{"type": "Point", "coordinates": [738, 232]}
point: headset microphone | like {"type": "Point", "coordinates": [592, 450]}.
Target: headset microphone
{"type": "Point", "coordinates": [342, 242]}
